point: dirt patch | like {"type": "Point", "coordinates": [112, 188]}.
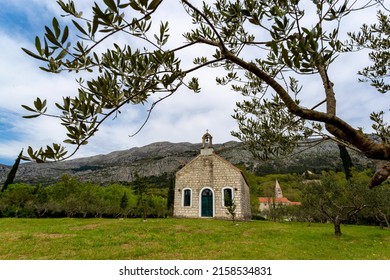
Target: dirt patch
{"type": "Point", "coordinates": [181, 228]}
{"type": "Point", "coordinates": [52, 235]}
{"type": "Point", "coordinates": [87, 227]}
{"type": "Point", "coordinates": [127, 246]}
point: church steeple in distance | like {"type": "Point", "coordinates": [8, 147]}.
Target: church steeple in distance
{"type": "Point", "coordinates": [278, 190]}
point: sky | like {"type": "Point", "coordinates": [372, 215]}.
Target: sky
{"type": "Point", "coordinates": [184, 117]}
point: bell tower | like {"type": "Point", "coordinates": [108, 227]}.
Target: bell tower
{"type": "Point", "coordinates": [207, 144]}
{"type": "Point", "coordinates": [278, 190]}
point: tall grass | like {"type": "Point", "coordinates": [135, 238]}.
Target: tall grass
{"type": "Point", "coordinates": [186, 239]}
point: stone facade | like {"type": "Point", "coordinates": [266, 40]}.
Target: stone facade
{"type": "Point", "coordinates": [206, 185]}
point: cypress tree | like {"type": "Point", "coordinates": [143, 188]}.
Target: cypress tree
{"type": "Point", "coordinates": [11, 175]}
{"type": "Point", "coordinates": [124, 201]}
{"type": "Point", "coordinates": [171, 193]}
{"type": "Point", "coordinates": [347, 161]}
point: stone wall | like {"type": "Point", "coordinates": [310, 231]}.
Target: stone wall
{"type": "Point", "coordinates": [213, 172]}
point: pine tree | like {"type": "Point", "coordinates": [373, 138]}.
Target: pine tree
{"type": "Point", "coordinates": [124, 203]}
{"type": "Point", "coordinates": [140, 186]}
{"type": "Point", "coordinates": [171, 193]}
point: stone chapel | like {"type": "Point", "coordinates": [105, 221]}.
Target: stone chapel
{"type": "Point", "coordinates": [207, 184]}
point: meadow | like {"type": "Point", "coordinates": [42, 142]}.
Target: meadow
{"type": "Point", "coordinates": [186, 239]}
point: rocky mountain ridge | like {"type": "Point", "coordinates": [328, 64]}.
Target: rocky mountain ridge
{"type": "Point", "coordinates": [166, 158]}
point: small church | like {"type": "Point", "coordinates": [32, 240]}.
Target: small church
{"type": "Point", "coordinates": [208, 184]}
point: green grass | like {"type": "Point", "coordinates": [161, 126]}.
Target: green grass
{"type": "Point", "coordinates": [186, 239]}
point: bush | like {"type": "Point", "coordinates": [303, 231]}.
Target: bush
{"type": "Point", "coordinates": [70, 198]}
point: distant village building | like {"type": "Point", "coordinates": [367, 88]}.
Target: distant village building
{"type": "Point", "coordinates": [266, 203]}
{"type": "Point", "coordinates": [207, 184]}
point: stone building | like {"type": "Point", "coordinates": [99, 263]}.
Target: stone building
{"type": "Point", "coordinates": [207, 184]}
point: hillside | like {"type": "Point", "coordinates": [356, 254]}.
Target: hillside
{"type": "Point", "coordinates": [166, 158]}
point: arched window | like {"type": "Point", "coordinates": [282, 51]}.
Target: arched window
{"type": "Point", "coordinates": [227, 197]}
{"type": "Point", "coordinates": [187, 197]}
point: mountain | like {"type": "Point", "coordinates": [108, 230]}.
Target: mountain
{"type": "Point", "coordinates": [162, 158]}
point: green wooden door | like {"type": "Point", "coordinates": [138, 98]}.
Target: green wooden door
{"type": "Point", "coordinates": [207, 203]}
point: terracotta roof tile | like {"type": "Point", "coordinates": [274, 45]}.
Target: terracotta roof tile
{"type": "Point", "coordinates": [277, 200]}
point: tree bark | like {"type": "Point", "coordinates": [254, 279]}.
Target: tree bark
{"type": "Point", "coordinates": [337, 226]}
{"type": "Point", "coordinates": [381, 174]}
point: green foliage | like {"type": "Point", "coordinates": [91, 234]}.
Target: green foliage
{"type": "Point", "coordinates": [347, 161]}
{"type": "Point", "coordinates": [375, 38]}
{"type": "Point", "coordinates": [140, 186]}
{"type": "Point", "coordinates": [171, 193]}
{"type": "Point", "coordinates": [336, 192]}
{"type": "Point", "coordinates": [157, 207]}
{"type": "Point", "coordinates": [230, 205]}
{"type": "Point", "coordinates": [124, 201]}
{"type": "Point", "coordinates": [267, 128]}
{"type": "Point", "coordinates": [381, 128]}
{"type": "Point", "coordinates": [18, 201]}
{"type": "Point", "coordinates": [71, 198]}
{"type": "Point", "coordinates": [337, 199]}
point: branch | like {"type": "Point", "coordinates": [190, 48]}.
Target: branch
{"type": "Point", "coordinates": [150, 111]}
{"type": "Point", "coordinates": [323, 211]}
{"type": "Point", "coordinates": [355, 210]}
{"type": "Point", "coordinates": [203, 65]}
{"type": "Point", "coordinates": [342, 129]}
{"type": "Point", "coordinates": [221, 44]}
{"type": "Point", "coordinates": [116, 31]}
{"type": "Point", "coordinates": [381, 174]}
{"type": "Point", "coordinates": [100, 123]}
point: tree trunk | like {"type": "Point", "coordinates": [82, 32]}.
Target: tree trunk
{"type": "Point", "coordinates": [387, 223]}
{"type": "Point", "coordinates": [337, 226]}
{"type": "Point", "coordinates": [385, 219]}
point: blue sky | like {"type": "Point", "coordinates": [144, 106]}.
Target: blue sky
{"type": "Point", "coordinates": [182, 118]}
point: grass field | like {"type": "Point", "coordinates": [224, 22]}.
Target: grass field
{"type": "Point", "coordinates": [186, 239]}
